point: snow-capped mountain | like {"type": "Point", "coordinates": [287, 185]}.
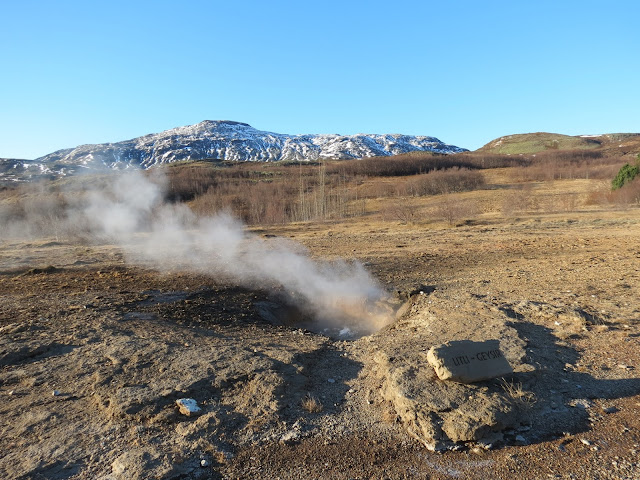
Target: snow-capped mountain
{"type": "Point", "coordinates": [226, 140]}
{"type": "Point", "coordinates": [222, 140]}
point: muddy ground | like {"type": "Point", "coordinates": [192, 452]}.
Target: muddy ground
{"type": "Point", "coordinates": [94, 354]}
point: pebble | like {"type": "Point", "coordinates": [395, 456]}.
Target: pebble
{"type": "Point", "coordinates": [585, 441]}
{"type": "Point", "coordinates": [331, 380]}
{"type": "Point", "coordinates": [56, 393]}
{"type": "Point", "coordinates": [204, 463]}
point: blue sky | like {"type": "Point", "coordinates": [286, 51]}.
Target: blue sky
{"type": "Point", "coordinates": [464, 71]}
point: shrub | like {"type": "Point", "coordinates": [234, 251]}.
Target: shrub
{"type": "Point", "coordinates": [517, 200]}
{"type": "Point", "coordinates": [626, 174]}
{"type": "Point", "coordinates": [400, 211]}
{"type": "Point", "coordinates": [628, 194]}
{"type": "Point", "coordinates": [454, 210]}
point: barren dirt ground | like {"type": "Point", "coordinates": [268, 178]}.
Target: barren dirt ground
{"type": "Point", "coordinates": [119, 344]}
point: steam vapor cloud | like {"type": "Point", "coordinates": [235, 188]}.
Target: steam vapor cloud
{"type": "Point", "coordinates": [131, 212]}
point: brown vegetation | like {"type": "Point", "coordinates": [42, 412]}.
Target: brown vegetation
{"type": "Point", "coordinates": [629, 194]}
{"type": "Point", "coordinates": [271, 194]}
{"type": "Point", "coordinates": [266, 194]}
{"type": "Point", "coordinates": [572, 164]}
{"type": "Point", "coordinates": [311, 404]}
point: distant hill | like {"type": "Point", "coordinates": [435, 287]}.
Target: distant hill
{"type": "Point", "coordinates": [527, 143]}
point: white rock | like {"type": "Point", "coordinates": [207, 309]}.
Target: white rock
{"type": "Point", "coordinates": [204, 463]}
{"type": "Point", "coordinates": [188, 406]}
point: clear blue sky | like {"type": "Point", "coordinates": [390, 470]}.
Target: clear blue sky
{"type": "Point", "coordinates": [466, 72]}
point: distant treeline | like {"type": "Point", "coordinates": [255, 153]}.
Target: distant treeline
{"type": "Point", "coordinates": [284, 192]}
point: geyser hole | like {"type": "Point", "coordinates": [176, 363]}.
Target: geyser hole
{"type": "Point", "coordinates": [339, 321]}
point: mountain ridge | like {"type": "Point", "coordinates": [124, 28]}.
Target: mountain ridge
{"type": "Point", "coordinates": [238, 141]}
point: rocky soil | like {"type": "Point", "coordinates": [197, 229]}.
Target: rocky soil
{"type": "Point", "coordinates": [94, 354]}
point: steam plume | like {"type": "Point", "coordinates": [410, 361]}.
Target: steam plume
{"type": "Point", "coordinates": [131, 212]}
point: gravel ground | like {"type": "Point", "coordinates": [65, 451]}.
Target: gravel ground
{"type": "Point", "coordinates": [94, 353]}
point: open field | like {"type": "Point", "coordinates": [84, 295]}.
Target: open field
{"type": "Point", "coordinates": [549, 266]}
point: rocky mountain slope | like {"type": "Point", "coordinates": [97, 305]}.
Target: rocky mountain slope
{"type": "Point", "coordinates": [221, 140]}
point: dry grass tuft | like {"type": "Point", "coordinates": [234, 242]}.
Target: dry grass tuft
{"type": "Point", "coordinates": [517, 392]}
{"type": "Point", "coordinates": [311, 404]}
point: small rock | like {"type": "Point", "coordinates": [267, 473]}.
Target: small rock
{"type": "Point", "coordinates": [486, 445]}
{"type": "Point", "coordinates": [581, 403]}
{"type": "Point", "coordinates": [331, 380]}
{"type": "Point", "coordinates": [289, 438]}
{"type": "Point", "coordinates": [520, 439]}
{"type": "Point", "coordinates": [585, 441]}
{"type": "Point", "coordinates": [188, 406]}
{"type": "Point", "coordinates": [56, 393]}
{"type": "Point", "coordinates": [204, 463]}
{"type": "Point", "coordinates": [610, 410]}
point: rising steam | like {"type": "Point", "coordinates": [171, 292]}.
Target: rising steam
{"type": "Point", "coordinates": [131, 212]}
